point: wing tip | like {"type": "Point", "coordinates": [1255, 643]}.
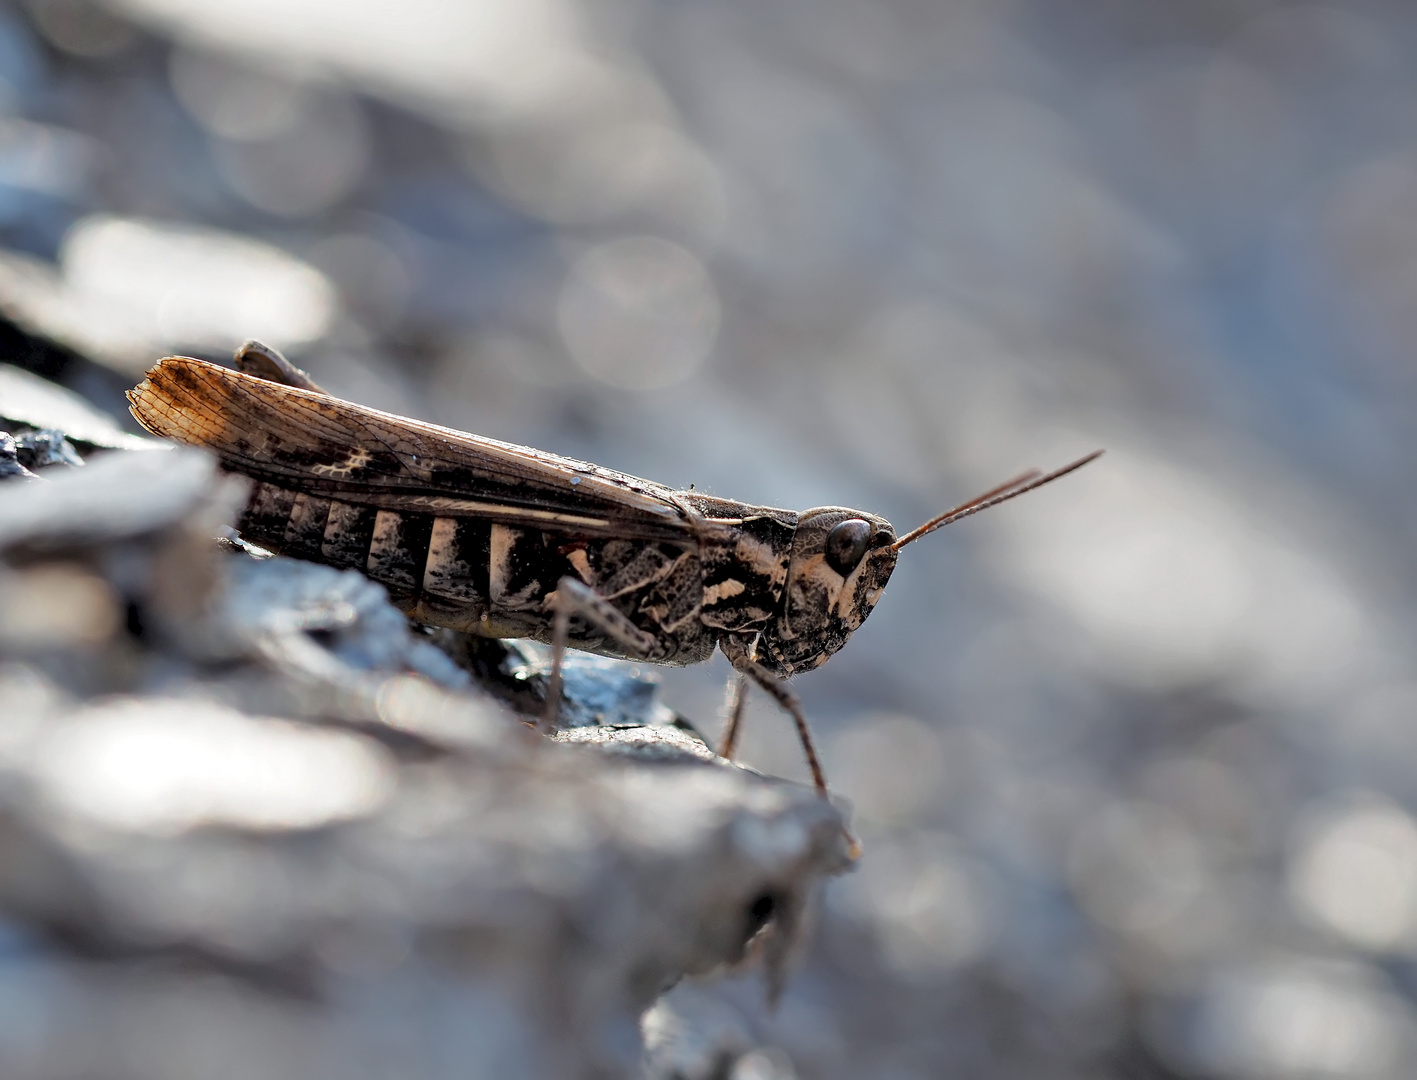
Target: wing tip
{"type": "Point", "coordinates": [165, 393]}
{"type": "Point", "coordinates": [172, 360]}
{"type": "Point", "coordinates": [141, 401]}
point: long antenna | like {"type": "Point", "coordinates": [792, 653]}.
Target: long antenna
{"type": "Point", "coordinates": [1029, 481]}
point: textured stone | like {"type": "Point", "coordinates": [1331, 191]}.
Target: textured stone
{"type": "Point", "coordinates": [244, 792]}
{"type": "Point", "coordinates": [46, 447]}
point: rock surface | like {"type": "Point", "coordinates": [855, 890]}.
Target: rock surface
{"type": "Point", "coordinates": [244, 797]}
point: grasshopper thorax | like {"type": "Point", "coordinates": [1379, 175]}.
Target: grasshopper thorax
{"type": "Point", "coordinates": [840, 562]}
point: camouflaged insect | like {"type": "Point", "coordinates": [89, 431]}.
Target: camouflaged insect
{"type": "Point", "coordinates": [487, 537]}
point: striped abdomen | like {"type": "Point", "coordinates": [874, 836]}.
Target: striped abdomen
{"type": "Point", "coordinates": [470, 574]}
{"type": "Point", "coordinates": [435, 568]}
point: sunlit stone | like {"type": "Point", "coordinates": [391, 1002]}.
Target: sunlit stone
{"type": "Point", "coordinates": [129, 289]}
{"type": "Point", "coordinates": [193, 285]}
{"type": "Point", "coordinates": [168, 765]}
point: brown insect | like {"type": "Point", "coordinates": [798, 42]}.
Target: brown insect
{"type": "Point", "coordinates": [500, 540]}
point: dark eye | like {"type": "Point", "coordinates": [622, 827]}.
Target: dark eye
{"type": "Point", "coordinates": [846, 543]}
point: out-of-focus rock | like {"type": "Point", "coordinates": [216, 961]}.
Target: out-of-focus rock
{"type": "Point", "coordinates": [36, 403]}
{"type": "Point", "coordinates": [691, 1035]}
{"type": "Point", "coordinates": [126, 289]}
{"type": "Point", "coordinates": [120, 497]}
{"type": "Point", "coordinates": [101, 565]}
{"type": "Point", "coordinates": [551, 891]}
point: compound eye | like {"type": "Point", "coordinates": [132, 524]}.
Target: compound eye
{"type": "Point", "coordinates": [846, 543]}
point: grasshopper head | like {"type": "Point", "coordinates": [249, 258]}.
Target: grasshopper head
{"type": "Point", "coordinates": [840, 562]}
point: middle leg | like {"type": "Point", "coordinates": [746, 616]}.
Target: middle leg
{"type": "Point", "coordinates": [733, 715]}
{"type": "Point", "coordinates": [575, 598]}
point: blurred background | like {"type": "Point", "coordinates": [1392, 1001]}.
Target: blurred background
{"type": "Point", "coordinates": [1134, 759]}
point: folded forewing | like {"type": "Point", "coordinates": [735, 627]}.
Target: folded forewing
{"type": "Point", "coordinates": [324, 446]}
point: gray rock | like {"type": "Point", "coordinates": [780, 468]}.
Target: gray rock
{"type": "Point", "coordinates": [270, 601]}
{"type": "Point", "coordinates": [604, 692]}
{"type": "Point", "coordinates": [663, 742]}
{"type": "Point", "coordinates": [38, 403]}
{"type": "Point", "coordinates": [548, 894]}
{"type": "Point", "coordinates": [121, 496]}
{"type": "Point", "coordinates": [46, 447]}
{"type": "Point", "coordinates": [11, 468]}
{"type": "Point", "coordinates": [244, 795]}
{"type": "Point", "coordinates": [691, 1035]}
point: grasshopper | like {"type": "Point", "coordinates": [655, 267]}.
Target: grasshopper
{"type": "Point", "coordinates": [501, 540]}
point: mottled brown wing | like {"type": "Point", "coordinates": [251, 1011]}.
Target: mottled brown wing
{"type": "Point", "coordinates": [324, 446]}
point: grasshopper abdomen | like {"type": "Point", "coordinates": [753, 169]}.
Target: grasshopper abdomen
{"type": "Point", "coordinates": [486, 577]}
{"type": "Point", "coordinates": [394, 548]}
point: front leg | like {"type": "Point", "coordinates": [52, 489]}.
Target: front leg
{"type": "Point", "coordinates": [575, 598]}
{"type": "Point", "coordinates": [790, 703]}
{"type": "Point", "coordinates": [742, 652]}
